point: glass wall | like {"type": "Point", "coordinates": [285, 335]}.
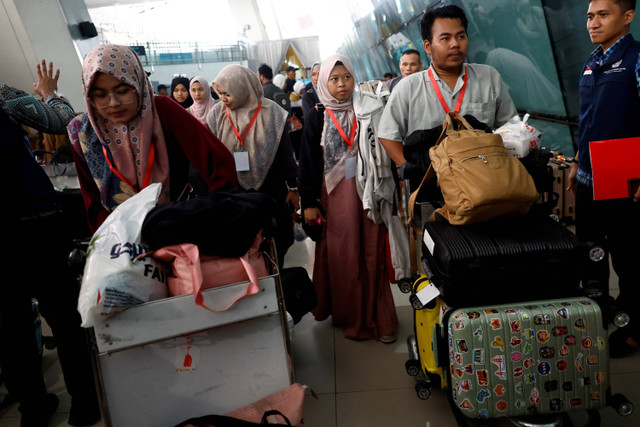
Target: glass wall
{"type": "Point", "coordinates": [539, 48]}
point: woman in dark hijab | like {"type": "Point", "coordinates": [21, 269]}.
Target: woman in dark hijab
{"type": "Point", "coordinates": [180, 91]}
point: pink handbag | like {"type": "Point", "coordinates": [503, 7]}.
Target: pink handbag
{"type": "Point", "coordinates": [192, 273]}
{"type": "Point", "coordinates": [289, 402]}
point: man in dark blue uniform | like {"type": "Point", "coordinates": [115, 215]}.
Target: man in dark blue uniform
{"type": "Point", "coordinates": [610, 109]}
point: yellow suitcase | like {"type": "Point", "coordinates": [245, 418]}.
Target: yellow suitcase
{"type": "Point", "coordinates": [422, 362]}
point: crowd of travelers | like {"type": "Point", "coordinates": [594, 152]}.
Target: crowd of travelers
{"type": "Point", "coordinates": [252, 131]}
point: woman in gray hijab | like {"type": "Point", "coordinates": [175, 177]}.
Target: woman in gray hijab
{"type": "Point", "coordinates": [254, 129]}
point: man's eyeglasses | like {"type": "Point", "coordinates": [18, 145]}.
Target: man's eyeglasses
{"type": "Point", "coordinates": [124, 95]}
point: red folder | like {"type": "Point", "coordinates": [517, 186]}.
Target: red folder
{"type": "Point", "coordinates": [613, 162]}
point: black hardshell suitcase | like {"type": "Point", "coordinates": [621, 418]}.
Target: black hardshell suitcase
{"type": "Point", "coordinates": [512, 259]}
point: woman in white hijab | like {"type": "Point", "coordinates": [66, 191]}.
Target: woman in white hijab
{"type": "Point", "coordinates": [279, 80]}
{"type": "Point", "coordinates": [254, 129]}
{"type": "Point", "coordinates": [349, 273]}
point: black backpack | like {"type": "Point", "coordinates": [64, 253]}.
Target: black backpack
{"type": "Point", "coordinates": [282, 99]}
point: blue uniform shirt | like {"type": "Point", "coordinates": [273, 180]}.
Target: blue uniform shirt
{"type": "Point", "coordinates": [609, 98]}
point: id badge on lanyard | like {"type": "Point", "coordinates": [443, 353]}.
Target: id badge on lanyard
{"type": "Point", "coordinates": [436, 88]}
{"type": "Point", "coordinates": [350, 163]}
{"type": "Point", "coordinates": [242, 161]}
{"type": "Point", "coordinates": [350, 167]}
{"type": "Point", "coordinates": [242, 157]}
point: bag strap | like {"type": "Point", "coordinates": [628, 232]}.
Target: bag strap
{"type": "Point", "coordinates": [448, 126]}
{"type": "Point", "coordinates": [427, 176]}
{"type": "Point", "coordinates": [454, 117]}
{"type": "Point", "coordinates": [192, 253]}
{"type": "Point", "coordinates": [252, 289]}
{"type": "Point", "coordinates": [273, 412]}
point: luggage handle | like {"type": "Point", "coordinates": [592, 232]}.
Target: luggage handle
{"type": "Point", "coordinates": [251, 289]}
{"type": "Point", "coordinates": [273, 412]}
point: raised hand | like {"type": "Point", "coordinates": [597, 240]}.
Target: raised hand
{"type": "Point", "coordinates": [47, 81]}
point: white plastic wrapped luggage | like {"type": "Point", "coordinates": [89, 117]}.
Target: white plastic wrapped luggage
{"type": "Point", "coordinates": [114, 277]}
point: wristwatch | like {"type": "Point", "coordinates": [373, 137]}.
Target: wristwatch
{"type": "Point", "coordinates": [51, 95]}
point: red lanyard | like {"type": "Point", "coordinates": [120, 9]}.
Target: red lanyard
{"type": "Point", "coordinates": [349, 141]}
{"type": "Point", "coordinates": [253, 119]}
{"type": "Point", "coordinates": [147, 174]}
{"type": "Point", "coordinates": [441, 98]}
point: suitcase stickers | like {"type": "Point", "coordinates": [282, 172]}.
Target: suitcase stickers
{"type": "Point", "coordinates": [531, 358]}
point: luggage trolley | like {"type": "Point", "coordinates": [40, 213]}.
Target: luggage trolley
{"type": "Point", "coordinates": [168, 360]}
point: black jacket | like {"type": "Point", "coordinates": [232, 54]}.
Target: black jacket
{"type": "Point", "coordinates": [309, 98]}
{"type": "Point", "coordinates": [270, 89]}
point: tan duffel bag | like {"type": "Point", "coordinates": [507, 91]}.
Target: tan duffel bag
{"type": "Point", "coordinates": [478, 179]}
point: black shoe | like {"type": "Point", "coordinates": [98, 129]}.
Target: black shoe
{"type": "Point", "coordinates": [39, 417]}
{"type": "Point", "coordinates": [621, 344]}
{"type": "Point", "coordinates": [83, 412]}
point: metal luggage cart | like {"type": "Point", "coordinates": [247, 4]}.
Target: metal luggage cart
{"type": "Point", "coordinates": [169, 360]}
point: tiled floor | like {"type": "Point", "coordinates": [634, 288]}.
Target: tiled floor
{"type": "Point", "coordinates": [361, 383]}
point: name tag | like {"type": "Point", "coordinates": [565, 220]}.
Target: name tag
{"type": "Point", "coordinates": [350, 167]}
{"type": "Point", "coordinates": [242, 160]}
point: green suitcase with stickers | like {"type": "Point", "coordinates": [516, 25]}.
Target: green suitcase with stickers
{"type": "Point", "coordinates": [542, 357]}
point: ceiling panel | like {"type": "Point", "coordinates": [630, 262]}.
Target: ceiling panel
{"type": "Point", "coordinates": [102, 3]}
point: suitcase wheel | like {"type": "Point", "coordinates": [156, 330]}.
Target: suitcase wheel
{"type": "Point", "coordinates": [611, 312]}
{"type": "Point", "coordinates": [413, 367]}
{"type": "Point", "coordinates": [77, 259]}
{"type": "Point", "coordinates": [619, 317]}
{"type": "Point", "coordinates": [415, 302]}
{"type": "Point", "coordinates": [597, 254]}
{"type": "Point", "coordinates": [405, 285]}
{"type": "Point", "coordinates": [622, 405]}
{"type": "Point", "coordinates": [423, 390]}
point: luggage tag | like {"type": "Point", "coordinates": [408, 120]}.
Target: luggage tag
{"type": "Point", "coordinates": [242, 160]}
{"type": "Point", "coordinates": [428, 242]}
{"type": "Point", "coordinates": [427, 294]}
{"type": "Point", "coordinates": [350, 167]}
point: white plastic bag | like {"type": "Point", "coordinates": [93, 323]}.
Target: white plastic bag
{"type": "Point", "coordinates": [519, 137]}
{"type": "Point", "coordinates": [114, 278]}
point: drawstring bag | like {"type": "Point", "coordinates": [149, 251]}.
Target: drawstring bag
{"type": "Point", "coordinates": [193, 273]}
